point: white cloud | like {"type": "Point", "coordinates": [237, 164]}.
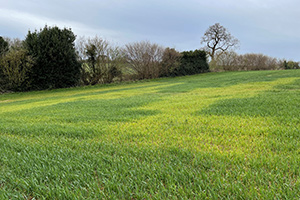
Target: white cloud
{"type": "Point", "coordinates": [261, 26]}
{"type": "Point", "coordinates": [24, 21]}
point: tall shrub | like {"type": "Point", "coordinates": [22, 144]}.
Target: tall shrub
{"type": "Point", "coordinates": [56, 64]}
{"type": "Point", "coordinates": [170, 62]}
{"type": "Point", "coordinates": [291, 65]}
{"type": "Point", "coordinates": [3, 50]}
{"type": "Point", "coordinates": [192, 62]}
{"type": "Point", "coordinates": [16, 66]}
{"type": "Point", "coordinates": [3, 46]}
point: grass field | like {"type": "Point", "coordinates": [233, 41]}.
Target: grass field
{"type": "Point", "coordinates": [233, 135]}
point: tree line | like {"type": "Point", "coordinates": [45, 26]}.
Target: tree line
{"type": "Point", "coordinates": [220, 45]}
{"type": "Point", "coordinates": [231, 61]}
{"type": "Point", "coordinates": [54, 58]}
{"type": "Point", "coordinates": [50, 58]}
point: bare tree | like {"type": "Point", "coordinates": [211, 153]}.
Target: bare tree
{"type": "Point", "coordinates": [225, 61]}
{"type": "Point", "coordinates": [231, 61]}
{"type": "Point", "coordinates": [144, 59]}
{"type": "Point", "coordinates": [253, 61]}
{"type": "Point", "coordinates": [15, 43]}
{"type": "Point", "coordinates": [100, 60]}
{"type": "Point", "coordinates": [218, 40]}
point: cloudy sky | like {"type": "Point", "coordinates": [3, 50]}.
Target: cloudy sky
{"type": "Point", "coordinates": [271, 27]}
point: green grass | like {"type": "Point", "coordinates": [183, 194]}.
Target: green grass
{"type": "Point", "coordinates": [233, 135]}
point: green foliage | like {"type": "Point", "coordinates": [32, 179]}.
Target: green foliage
{"type": "Point", "coordinates": [170, 62]}
{"type": "Point", "coordinates": [3, 46]}
{"type": "Point", "coordinates": [16, 66]}
{"type": "Point", "coordinates": [192, 62]}
{"type": "Point", "coordinates": [231, 135]}
{"type": "Point", "coordinates": [112, 72]}
{"type": "Point", "coordinates": [56, 63]}
{"type": "Point", "coordinates": [95, 72]}
{"type": "Point", "coordinates": [291, 65]}
{"type": "Point", "coordinates": [3, 78]}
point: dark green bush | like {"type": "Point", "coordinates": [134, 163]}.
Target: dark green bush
{"type": "Point", "coordinates": [192, 62]}
{"type": "Point", "coordinates": [3, 78]}
{"type": "Point", "coordinates": [56, 63]}
{"type": "Point", "coordinates": [291, 65]}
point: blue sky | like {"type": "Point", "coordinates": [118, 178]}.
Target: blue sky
{"type": "Point", "coordinates": [271, 27]}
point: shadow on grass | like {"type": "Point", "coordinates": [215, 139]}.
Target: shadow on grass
{"type": "Point", "coordinates": [68, 93]}
{"type": "Point", "coordinates": [85, 118]}
{"type": "Point", "coordinates": [282, 103]}
{"type": "Point", "coordinates": [178, 85]}
{"type": "Point", "coordinates": [225, 79]}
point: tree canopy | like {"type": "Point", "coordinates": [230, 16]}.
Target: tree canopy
{"type": "Point", "coordinates": [56, 64]}
{"type": "Point", "coordinates": [218, 40]}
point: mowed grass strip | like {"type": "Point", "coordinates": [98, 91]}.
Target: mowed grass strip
{"type": "Point", "coordinates": [231, 135]}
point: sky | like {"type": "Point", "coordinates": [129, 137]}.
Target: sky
{"type": "Point", "coordinates": [270, 27]}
